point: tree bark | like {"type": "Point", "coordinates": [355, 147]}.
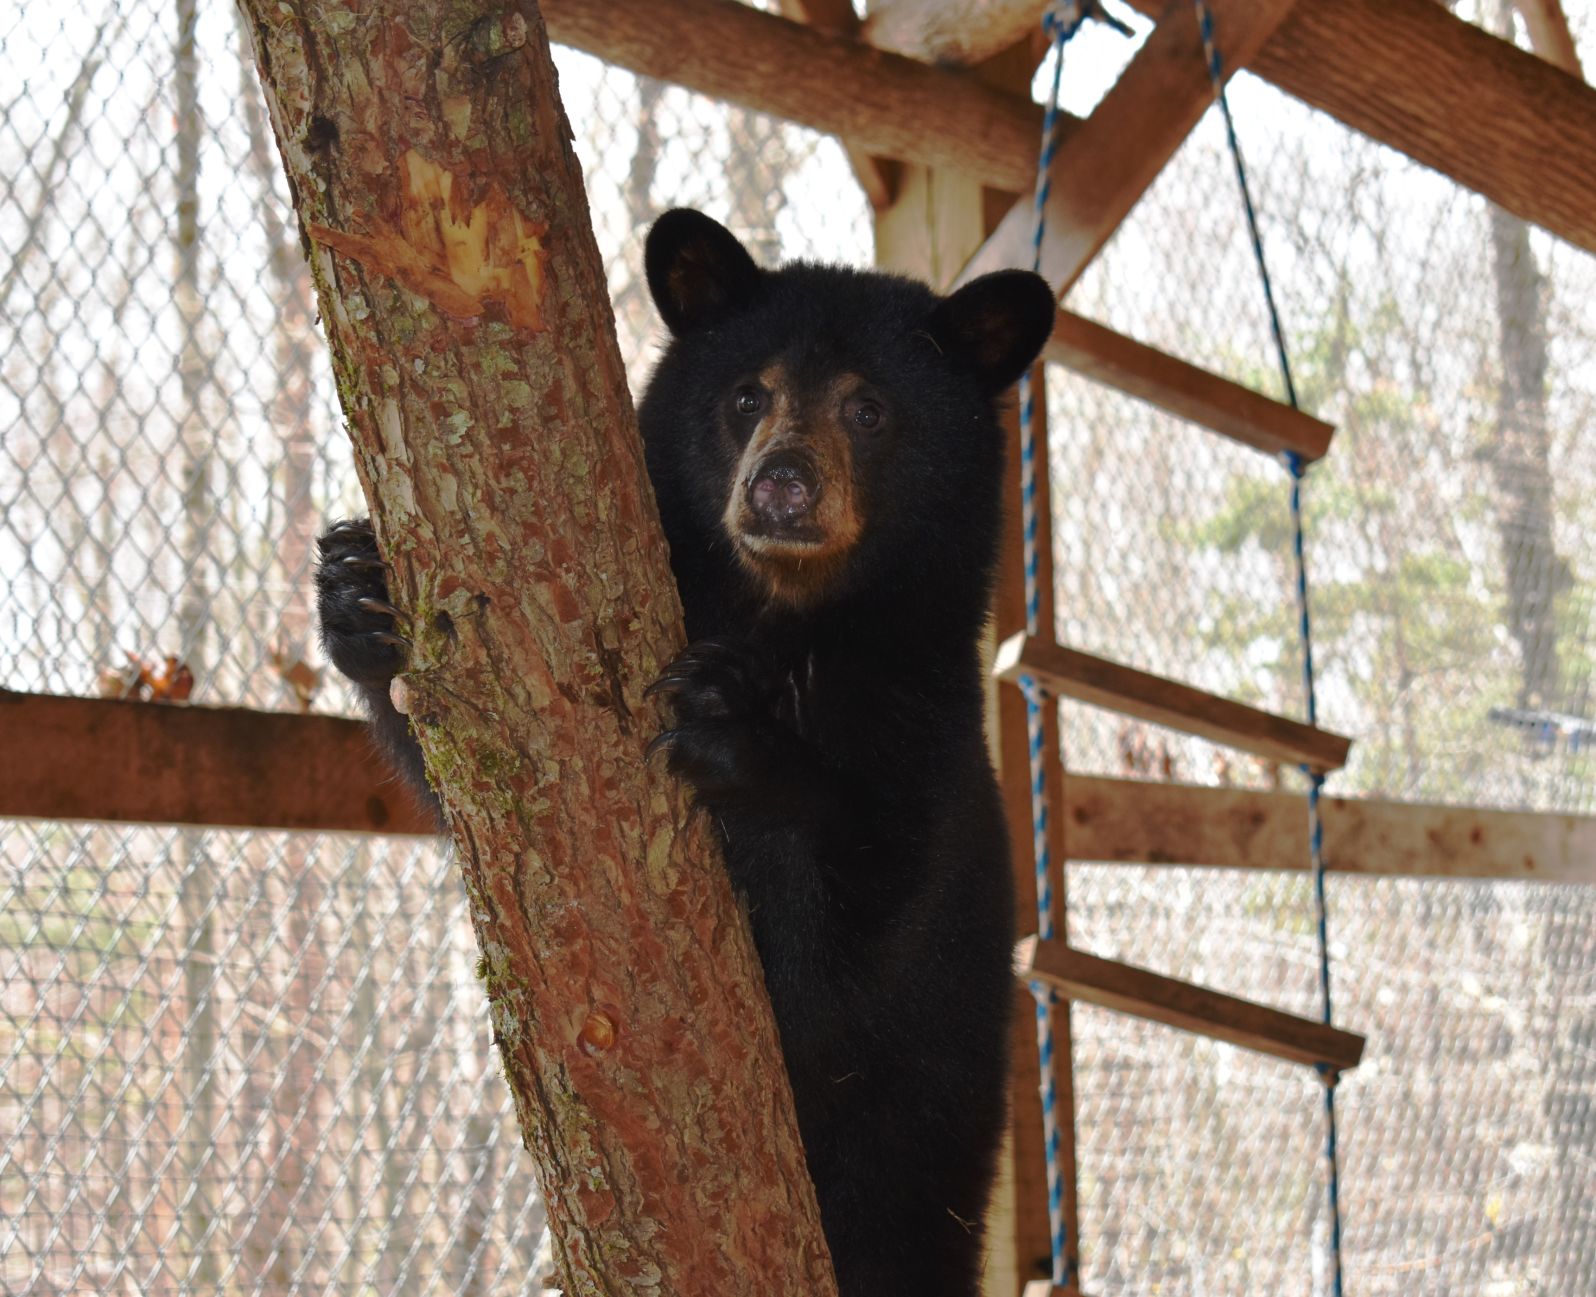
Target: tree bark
{"type": "Point", "coordinates": [461, 289]}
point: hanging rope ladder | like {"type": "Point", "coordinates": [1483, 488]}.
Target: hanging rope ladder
{"type": "Point", "coordinates": [1041, 668]}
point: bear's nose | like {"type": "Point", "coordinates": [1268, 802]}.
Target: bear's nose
{"type": "Point", "coordinates": [783, 489]}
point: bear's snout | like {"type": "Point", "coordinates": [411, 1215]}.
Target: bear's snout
{"type": "Point", "coordinates": [782, 490]}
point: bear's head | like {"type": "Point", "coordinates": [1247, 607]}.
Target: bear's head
{"type": "Point", "coordinates": [816, 433]}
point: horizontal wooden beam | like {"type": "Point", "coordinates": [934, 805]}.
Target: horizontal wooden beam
{"type": "Point", "coordinates": [882, 103]}
{"type": "Point", "coordinates": [1128, 821]}
{"type": "Point", "coordinates": [1405, 72]}
{"type": "Point", "coordinates": [1047, 1288]}
{"type": "Point", "coordinates": [1101, 171]}
{"type": "Point", "coordinates": [222, 767]}
{"type": "Point", "coordinates": [1125, 988]}
{"type": "Point", "coordinates": [1070, 673]}
{"type": "Point", "coordinates": [1408, 73]}
{"type": "Point", "coordinates": [148, 763]}
{"type": "Point", "coordinates": [1184, 390]}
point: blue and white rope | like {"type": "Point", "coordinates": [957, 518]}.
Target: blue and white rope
{"type": "Point", "coordinates": [1061, 22]}
{"type": "Point", "coordinates": [1295, 466]}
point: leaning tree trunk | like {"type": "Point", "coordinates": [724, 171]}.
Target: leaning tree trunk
{"type": "Point", "coordinates": [1520, 457]}
{"type": "Point", "coordinates": [1569, 1098]}
{"type": "Point", "coordinates": [449, 237]}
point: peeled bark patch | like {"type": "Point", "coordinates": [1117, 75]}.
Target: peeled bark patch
{"type": "Point", "coordinates": [465, 303]}
{"type": "Point", "coordinates": [460, 254]}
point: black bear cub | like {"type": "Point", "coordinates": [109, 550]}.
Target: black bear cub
{"type": "Point", "coordinates": [827, 458]}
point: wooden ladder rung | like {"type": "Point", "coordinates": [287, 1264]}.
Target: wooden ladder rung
{"type": "Point", "coordinates": [1073, 674]}
{"type": "Point", "coordinates": [1128, 989]}
{"type": "Point", "coordinates": [1184, 390]}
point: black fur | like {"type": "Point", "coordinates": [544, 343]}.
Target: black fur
{"type": "Point", "coordinates": [364, 643]}
{"type": "Point", "coordinates": [838, 742]}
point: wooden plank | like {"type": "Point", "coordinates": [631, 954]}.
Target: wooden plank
{"type": "Point", "coordinates": [88, 759]}
{"type": "Point", "coordinates": [1128, 989]}
{"type": "Point", "coordinates": [1495, 118]}
{"type": "Point", "coordinates": [1047, 1288]}
{"type": "Point", "coordinates": [152, 763]}
{"type": "Point", "coordinates": [1103, 168]}
{"type": "Point", "coordinates": [1184, 390]}
{"type": "Point", "coordinates": [882, 103]}
{"type": "Point", "coordinates": [1133, 822]}
{"type": "Point", "coordinates": [954, 33]}
{"type": "Point", "coordinates": [1070, 673]}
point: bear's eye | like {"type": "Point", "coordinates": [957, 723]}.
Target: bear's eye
{"type": "Point", "coordinates": [866, 414]}
{"type": "Point", "coordinates": [748, 400]}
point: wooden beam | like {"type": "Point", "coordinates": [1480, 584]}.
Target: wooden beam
{"type": "Point", "coordinates": [1128, 821]}
{"type": "Point", "coordinates": [1404, 72]}
{"type": "Point", "coordinates": [1549, 34]}
{"type": "Point", "coordinates": [1070, 673]}
{"type": "Point", "coordinates": [876, 176]}
{"type": "Point", "coordinates": [834, 17]}
{"type": "Point", "coordinates": [1128, 989]}
{"type": "Point", "coordinates": [1105, 166]}
{"type": "Point", "coordinates": [1495, 118]}
{"type": "Point", "coordinates": [952, 32]}
{"type": "Point", "coordinates": [222, 767]}
{"type": "Point", "coordinates": [882, 103]}
{"type": "Point", "coordinates": [1031, 1237]}
{"type": "Point", "coordinates": [1184, 390]}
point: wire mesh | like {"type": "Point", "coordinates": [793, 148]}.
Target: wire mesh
{"type": "Point", "coordinates": [1452, 582]}
{"type": "Point", "coordinates": [1466, 1132]}
{"type": "Point", "coordinates": [248, 1063]}
{"type": "Point", "coordinates": [1453, 630]}
{"type": "Point", "coordinates": [258, 1063]}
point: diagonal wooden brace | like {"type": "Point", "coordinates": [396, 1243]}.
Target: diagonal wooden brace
{"type": "Point", "coordinates": [1109, 160]}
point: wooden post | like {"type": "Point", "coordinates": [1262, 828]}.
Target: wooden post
{"type": "Point", "coordinates": [938, 219]}
{"type": "Point", "coordinates": [460, 285]}
{"type": "Point", "coordinates": [1549, 34]}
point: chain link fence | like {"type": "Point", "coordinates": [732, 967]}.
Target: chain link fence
{"type": "Point", "coordinates": [256, 1062]}
{"type": "Point", "coordinates": [248, 1062]}
{"type": "Point", "coordinates": [1454, 599]}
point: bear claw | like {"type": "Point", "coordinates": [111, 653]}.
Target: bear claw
{"type": "Point", "coordinates": [380, 605]}
{"type": "Point", "coordinates": [357, 618]}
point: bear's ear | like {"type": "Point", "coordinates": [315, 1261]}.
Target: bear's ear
{"type": "Point", "coordinates": [697, 271]}
{"type": "Point", "coordinates": [995, 325]}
